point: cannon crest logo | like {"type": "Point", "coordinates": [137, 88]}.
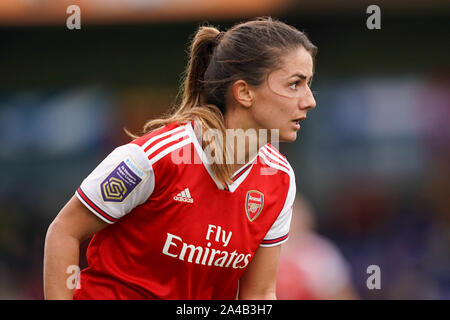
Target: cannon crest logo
{"type": "Point", "coordinates": [254, 202]}
{"type": "Point", "coordinates": [121, 181]}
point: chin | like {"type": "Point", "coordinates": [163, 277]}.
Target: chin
{"type": "Point", "coordinates": [290, 137]}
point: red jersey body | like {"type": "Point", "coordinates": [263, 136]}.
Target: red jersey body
{"type": "Point", "coordinates": [175, 232]}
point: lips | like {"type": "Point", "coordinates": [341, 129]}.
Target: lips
{"type": "Point", "coordinates": [297, 121]}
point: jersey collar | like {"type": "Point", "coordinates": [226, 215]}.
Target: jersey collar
{"type": "Point", "coordinates": [238, 177]}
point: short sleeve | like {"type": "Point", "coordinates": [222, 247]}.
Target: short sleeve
{"type": "Point", "coordinates": [279, 232]}
{"type": "Point", "coordinates": [121, 182]}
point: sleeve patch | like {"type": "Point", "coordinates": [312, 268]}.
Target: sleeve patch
{"type": "Point", "coordinates": [121, 181]}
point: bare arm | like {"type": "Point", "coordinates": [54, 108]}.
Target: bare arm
{"type": "Point", "coordinates": [71, 227]}
{"type": "Point", "coordinates": [260, 279]}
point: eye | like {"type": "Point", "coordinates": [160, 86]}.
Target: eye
{"type": "Point", "coordinates": [294, 85]}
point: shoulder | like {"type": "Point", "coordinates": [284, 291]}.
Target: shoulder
{"type": "Point", "coordinates": [157, 144]}
{"type": "Point", "coordinates": [280, 173]}
{"type": "Point", "coordinates": [273, 159]}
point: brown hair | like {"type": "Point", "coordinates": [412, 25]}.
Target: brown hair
{"type": "Point", "coordinates": [247, 51]}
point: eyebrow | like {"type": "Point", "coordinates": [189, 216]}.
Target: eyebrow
{"type": "Point", "coordinates": [301, 76]}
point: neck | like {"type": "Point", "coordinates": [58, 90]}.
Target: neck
{"type": "Point", "coordinates": [244, 139]}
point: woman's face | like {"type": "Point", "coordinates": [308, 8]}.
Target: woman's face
{"type": "Point", "coordinates": [284, 98]}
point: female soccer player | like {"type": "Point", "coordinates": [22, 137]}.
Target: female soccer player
{"type": "Point", "coordinates": [181, 214]}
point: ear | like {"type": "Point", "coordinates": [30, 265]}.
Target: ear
{"type": "Point", "coordinates": [242, 93]}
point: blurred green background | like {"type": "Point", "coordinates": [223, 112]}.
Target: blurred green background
{"type": "Point", "coordinates": [372, 158]}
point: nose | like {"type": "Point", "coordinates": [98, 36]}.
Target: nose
{"type": "Point", "coordinates": [307, 101]}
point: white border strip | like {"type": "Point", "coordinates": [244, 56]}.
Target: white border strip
{"type": "Point", "coordinates": [271, 164]}
{"type": "Point", "coordinates": [169, 150]}
{"type": "Point", "coordinates": [149, 141]}
{"type": "Point", "coordinates": [164, 142]}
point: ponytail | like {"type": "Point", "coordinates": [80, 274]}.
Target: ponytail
{"type": "Point", "coordinates": [201, 50]}
{"type": "Point", "coordinates": [194, 104]}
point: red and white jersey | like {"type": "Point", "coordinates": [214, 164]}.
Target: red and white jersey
{"type": "Point", "coordinates": [175, 232]}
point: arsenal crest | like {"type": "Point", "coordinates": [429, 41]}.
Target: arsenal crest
{"type": "Point", "coordinates": [254, 202]}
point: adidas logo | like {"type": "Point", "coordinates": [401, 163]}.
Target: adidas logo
{"type": "Point", "coordinates": [184, 196]}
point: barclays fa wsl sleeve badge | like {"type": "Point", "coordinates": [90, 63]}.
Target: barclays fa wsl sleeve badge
{"type": "Point", "coordinates": [254, 202]}
{"type": "Point", "coordinates": [121, 181]}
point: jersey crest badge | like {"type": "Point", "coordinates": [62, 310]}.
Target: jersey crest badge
{"type": "Point", "coordinates": [254, 202]}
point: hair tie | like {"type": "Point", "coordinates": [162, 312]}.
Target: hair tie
{"type": "Point", "coordinates": [218, 37]}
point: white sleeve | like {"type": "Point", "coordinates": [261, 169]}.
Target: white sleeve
{"type": "Point", "coordinates": [121, 182]}
{"type": "Point", "coordinates": [279, 232]}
